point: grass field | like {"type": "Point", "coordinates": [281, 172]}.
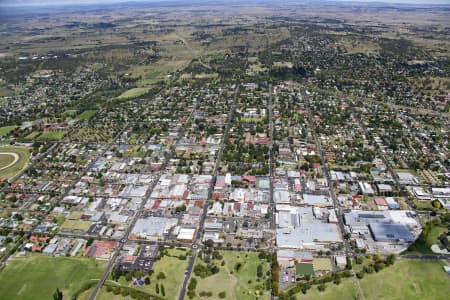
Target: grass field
{"type": "Point", "coordinates": [174, 269]}
{"type": "Point", "coordinates": [5, 130]}
{"type": "Point", "coordinates": [135, 151]}
{"type": "Point", "coordinates": [102, 295]}
{"type": "Point", "coordinates": [52, 136]}
{"type": "Point", "coordinates": [133, 93]}
{"type": "Point", "coordinates": [5, 92]}
{"type": "Point", "coordinates": [76, 225]}
{"type": "Point", "coordinates": [12, 171]}
{"type": "Point", "coordinates": [37, 276]}
{"type": "Point", "coordinates": [32, 135]}
{"type": "Point", "coordinates": [234, 283]}
{"type": "Point", "coordinates": [6, 159]}
{"type": "Point", "coordinates": [85, 115]}
{"type": "Point", "coordinates": [424, 246]}
{"type": "Point", "coordinates": [406, 279]}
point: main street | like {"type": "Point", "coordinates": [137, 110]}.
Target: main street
{"type": "Point", "coordinates": [136, 216]}
{"type": "Point", "coordinates": [348, 249]}
{"type": "Point", "coordinates": [198, 238]}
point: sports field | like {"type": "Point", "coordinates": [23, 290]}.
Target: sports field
{"type": "Point", "coordinates": [37, 276]}
{"type": "Point", "coordinates": [406, 279]}
{"type": "Point", "coordinates": [12, 160]}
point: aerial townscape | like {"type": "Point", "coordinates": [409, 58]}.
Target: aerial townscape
{"type": "Point", "coordinates": [250, 150]}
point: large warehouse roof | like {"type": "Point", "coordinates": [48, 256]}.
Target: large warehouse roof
{"type": "Point", "coordinates": [390, 232]}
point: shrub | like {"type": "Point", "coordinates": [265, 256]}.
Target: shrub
{"type": "Point", "coordinates": [161, 275]}
{"type": "Point", "coordinates": [222, 295]}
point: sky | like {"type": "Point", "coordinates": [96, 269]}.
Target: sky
{"type": "Point", "coordinates": [52, 2]}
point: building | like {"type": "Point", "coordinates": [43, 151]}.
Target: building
{"type": "Point", "coordinates": [186, 235]}
{"type": "Point", "coordinates": [366, 188]}
{"type": "Point", "coordinates": [391, 232]}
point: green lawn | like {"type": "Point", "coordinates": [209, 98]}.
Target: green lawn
{"type": "Point", "coordinates": [5, 92]}
{"type": "Point", "coordinates": [77, 225]}
{"type": "Point", "coordinates": [52, 136]}
{"type": "Point", "coordinates": [133, 93]}
{"type": "Point", "coordinates": [135, 151]}
{"type": "Point", "coordinates": [173, 268]}
{"type": "Point", "coordinates": [234, 283]}
{"type": "Point", "coordinates": [85, 115]}
{"type": "Point", "coordinates": [37, 276]}
{"type": "Point", "coordinates": [424, 246]}
{"type": "Point", "coordinates": [6, 159]}
{"type": "Point", "coordinates": [5, 130]}
{"type": "Point", "coordinates": [32, 135]}
{"type": "Point", "coordinates": [12, 171]}
{"type": "Point", "coordinates": [406, 279]}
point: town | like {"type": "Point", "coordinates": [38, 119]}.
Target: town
{"type": "Point", "coordinates": [228, 156]}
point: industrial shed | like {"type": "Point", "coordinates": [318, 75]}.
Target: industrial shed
{"type": "Point", "coordinates": [390, 232]}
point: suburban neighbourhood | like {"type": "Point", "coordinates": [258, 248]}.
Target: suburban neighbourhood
{"type": "Point", "coordinates": [235, 155]}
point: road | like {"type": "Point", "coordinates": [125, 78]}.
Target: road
{"type": "Point", "coordinates": [271, 162]}
{"type": "Point", "coordinates": [198, 238]}
{"type": "Point", "coordinates": [81, 174]}
{"type": "Point", "coordinates": [136, 216]}
{"type": "Point", "coordinates": [426, 257]}
{"type": "Point", "coordinates": [348, 249]}
{"type": "Point", "coordinates": [272, 249]}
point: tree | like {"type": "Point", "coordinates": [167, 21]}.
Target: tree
{"type": "Point", "coordinates": [180, 208]}
{"type": "Point", "coordinates": [163, 291]}
{"type": "Point", "coordinates": [209, 243]}
{"type": "Point", "coordinates": [147, 280]}
{"type": "Point", "coordinates": [192, 284]}
{"type": "Point", "coordinates": [259, 271]}
{"type": "Point", "coordinates": [359, 260]}
{"type": "Point", "coordinates": [191, 294]}
{"type": "Point", "coordinates": [89, 242]}
{"type": "Point", "coordinates": [321, 287]}
{"type": "Point", "coordinates": [161, 275]}
{"type": "Point", "coordinates": [390, 259]}
{"type": "Point", "coordinates": [436, 204]}
{"type": "Point", "coordinates": [349, 263]}
{"type": "Point", "coordinates": [58, 295]}
{"type": "Point", "coordinates": [157, 288]}
{"type": "Point", "coordinates": [222, 295]}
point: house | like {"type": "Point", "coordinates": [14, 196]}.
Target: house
{"type": "Point", "coordinates": [381, 203]}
